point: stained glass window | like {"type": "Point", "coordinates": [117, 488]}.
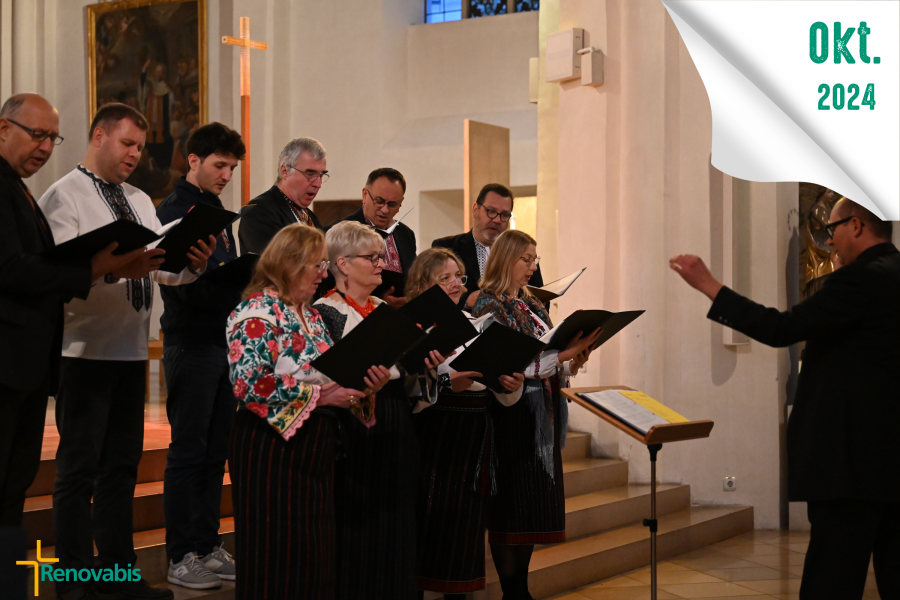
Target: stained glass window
{"type": "Point", "coordinates": [438, 11]}
{"type": "Point", "coordinates": [486, 8]}
{"type": "Point", "coordinates": [527, 5]}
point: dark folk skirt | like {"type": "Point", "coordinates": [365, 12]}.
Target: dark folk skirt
{"type": "Point", "coordinates": [285, 539]}
{"type": "Point", "coordinates": [455, 441]}
{"type": "Point", "coordinates": [530, 505]}
{"type": "Point", "coordinates": [375, 493]}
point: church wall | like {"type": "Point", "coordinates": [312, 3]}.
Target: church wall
{"type": "Point", "coordinates": [634, 190]}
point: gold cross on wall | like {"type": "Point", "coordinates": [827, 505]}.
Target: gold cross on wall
{"type": "Point", "coordinates": [245, 44]}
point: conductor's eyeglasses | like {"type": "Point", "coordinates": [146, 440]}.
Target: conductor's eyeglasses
{"type": "Point", "coordinates": [830, 227]}
{"type": "Point", "coordinates": [39, 135]}
{"type": "Point", "coordinates": [446, 279]}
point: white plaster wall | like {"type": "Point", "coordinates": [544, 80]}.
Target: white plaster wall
{"type": "Point", "coordinates": [634, 191]}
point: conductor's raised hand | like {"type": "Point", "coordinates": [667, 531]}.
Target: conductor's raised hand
{"type": "Point", "coordinates": [460, 381]}
{"type": "Point", "coordinates": [376, 378]}
{"type": "Point", "coordinates": [105, 262]}
{"type": "Point", "coordinates": [199, 254]}
{"type": "Point", "coordinates": [434, 359]}
{"type": "Point", "coordinates": [332, 394]}
{"type": "Point", "coordinates": [693, 270]}
{"type": "Point", "coordinates": [511, 384]}
{"type": "Point", "coordinates": [579, 344]}
{"type": "Point", "coordinates": [141, 266]}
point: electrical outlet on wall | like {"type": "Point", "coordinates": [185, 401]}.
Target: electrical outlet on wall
{"type": "Point", "coordinates": [730, 484]}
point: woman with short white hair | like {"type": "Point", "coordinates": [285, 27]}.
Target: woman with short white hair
{"type": "Point", "coordinates": [375, 484]}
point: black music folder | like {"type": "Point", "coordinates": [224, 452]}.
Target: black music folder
{"type": "Point", "coordinates": [128, 234]}
{"type": "Point", "coordinates": [381, 339]}
{"type": "Point", "coordinates": [234, 274]}
{"type": "Point", "coordinates": [451, 328]}
{"type": "Point", "coordinates": [201, 222]}
{"type": "Point", "coordinates": [390, 279]}
{"type": "Point", "coordinates": [499, 350]}
{"type": "Point", "coordinates": [587, 321]}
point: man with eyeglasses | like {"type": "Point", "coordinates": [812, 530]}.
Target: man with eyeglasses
{"type": "Point", "coordinates": [841, 454]}
{"type": "Point", "coordinates": [491, 215]}
{"type": "Point", "coordinates": [382, 198]}
{"type": "Point", "coordinates": [301, 173]}
{"type": "Point", "coordinates": [201, 404]}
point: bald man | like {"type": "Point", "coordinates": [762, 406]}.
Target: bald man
{"type": "Point", "coordinates": [32, 294]}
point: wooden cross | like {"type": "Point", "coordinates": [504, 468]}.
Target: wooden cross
{"type": "Point", "coordinates": [245, 44]}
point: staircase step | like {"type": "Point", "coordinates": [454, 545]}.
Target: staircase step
{"type": "Point", "coordinates": [150, 547]}
{"type": "Point", "coordinates": [148, 511]}
{"type": "Point", "coordinates": [586, 475]}
{"type": "Point", "coordinates": [578, 445]}
{"type": "Point", "coordinates": [561, 567]}
{"type": "Point", "coordinates": [597, 511]}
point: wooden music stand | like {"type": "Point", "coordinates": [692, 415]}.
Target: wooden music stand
{"type": "Point", "coordinates": [654, 439]}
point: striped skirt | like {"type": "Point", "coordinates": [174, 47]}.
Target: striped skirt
{"type": "Point", "coordinates": [455, 441]}
{"type": "Point", "coordinates": [530, 505]}
{"type": "Point", "coordinates": [375, 495]}
{"type": "Point", "coordinates": [285, 539]}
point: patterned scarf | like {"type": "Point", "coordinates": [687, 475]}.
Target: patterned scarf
{"type": "Point", "coordinates": [299, 212]}
{"type": "Point", "coordinates": [513, 311]}
{"type": "Point", "coordinates": [139, 291]}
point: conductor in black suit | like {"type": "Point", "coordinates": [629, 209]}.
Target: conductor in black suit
{"type": "Point", "coordinates": [382, 198]}
{"type": "Point", "coordinates": [32, 293]}
{"type": "Point", "coordinates": [842, 448]}
{"type": "Point", "coordinates": [490, 217]}
{"type": "Point", "coordinates": [301, 173]}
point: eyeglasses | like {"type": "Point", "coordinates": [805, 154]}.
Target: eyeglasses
{"type": "Point", "coordinates": [531, 261]}
{"type": "Point", "coordinates": [312, 175]}
{"type": "Point", "coordinates": [444, 280]}
{"type": "Point", "coordinates": [38, 135]}
{"type": "Point", "coordinates": [379, 201]}
{"type": "Point", "coordinates": [372, 258]}
{"type": "Point", "coordinates": [321, 267]}
{"type": "Point", "coordinates": [830, 227]}
{"type": "Point", "coordinates": [493, 214]}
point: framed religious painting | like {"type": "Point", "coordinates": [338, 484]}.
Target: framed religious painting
{"type": "Point", "coordinates": [151, 54]}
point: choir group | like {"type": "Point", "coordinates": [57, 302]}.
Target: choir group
{"type": "Point", "coordinates": [382, 492]}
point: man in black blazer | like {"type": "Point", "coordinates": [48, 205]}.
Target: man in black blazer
{"type": "Point", "coordinates": [490, 217]}
{"type": "Point", "coordinates": [841, 449]}
{"type": "Point", "coordinates": [382, 199]}
{"type": "Point", "coordinates": [32, 293]}
{"type": "Point", "coordinates": [301, 173]}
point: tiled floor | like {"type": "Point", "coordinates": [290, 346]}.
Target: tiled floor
{"type": "Point", "coordinates": [759, 564]}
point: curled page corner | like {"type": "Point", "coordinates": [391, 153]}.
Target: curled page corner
{"type": "Point", "coordinates": [768, 119]}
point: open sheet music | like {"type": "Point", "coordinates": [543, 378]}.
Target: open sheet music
{"type": "Point", "coordinates": [555, 289]}
{"type": "Point", "coordinates": [635, 409]}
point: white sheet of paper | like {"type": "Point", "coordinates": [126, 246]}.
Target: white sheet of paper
{"type": "Point", "coordinates": [163, 231]}
{"type": "Point", "coordinates": [393, 225]}
{"type": "Point", "coordinates": [561, 286]}
{"type": "Point", "coordinates": [626, 410]}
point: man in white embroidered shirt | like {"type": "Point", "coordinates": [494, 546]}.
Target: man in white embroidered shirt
{"type": "Point", "coordinates": [100, 404]}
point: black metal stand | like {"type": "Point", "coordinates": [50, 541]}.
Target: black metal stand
{"type": "Point", "coordinates": [652, 523]}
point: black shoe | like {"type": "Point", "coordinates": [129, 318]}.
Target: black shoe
{"type": "Point", "coordinates": [135, 589]}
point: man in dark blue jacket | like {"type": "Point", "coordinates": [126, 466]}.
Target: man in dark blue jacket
{"type": "Point", "coordinates": [200, 404]}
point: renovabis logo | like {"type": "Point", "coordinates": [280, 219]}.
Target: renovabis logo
{"type": "Point", "coordinates": [45, 572]}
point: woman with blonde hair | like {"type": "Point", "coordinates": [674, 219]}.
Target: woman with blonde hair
{"type": "Point", "coordinates": [456, 445]}
{"type": "Point", "coordinates": [530, 504]}
{"type": "Point", "coordinates": [375, 484]}
{"type": "Point", "coordinates": [283, 451]}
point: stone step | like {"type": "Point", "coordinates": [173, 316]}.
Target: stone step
{"type": "Point", "coordinates": [148, 511]}
{"type": "Point", "coordinates": [606, 509]}
{"type": "Point", "coordinates": [150, 547]}
{"type": "Point", "coordinates": [586, 475]}
{"type": "Point", "coordinates": [578, 562]}
{"type": "Point", "coordinates": [578, 445]}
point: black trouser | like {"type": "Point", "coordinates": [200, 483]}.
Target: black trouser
{"type": "Point", "coordinates": [201, 408]}
{"type": "Point", "coordinates": [100, 417]}
{"type": "Point", "coordinates": [22, 416]}
{"type": "Point", "coordinates": [844, 535]}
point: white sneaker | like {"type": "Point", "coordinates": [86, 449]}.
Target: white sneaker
{"type": "Point", "coordinates": [191, 573]}
{"type": "Point", "coordinates": [220, 563]}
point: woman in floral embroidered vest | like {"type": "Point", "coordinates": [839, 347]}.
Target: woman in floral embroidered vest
{"type": "Point", "coordinates": [529, 507]}
{"type": "Point", "coordinates": [282, 461]}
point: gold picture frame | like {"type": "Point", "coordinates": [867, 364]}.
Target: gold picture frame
{"type": "Point", "coordinates": [142, 53]}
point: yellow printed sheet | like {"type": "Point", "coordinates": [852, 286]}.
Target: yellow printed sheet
{"type": "Point", "coordinates": [654, 406]}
